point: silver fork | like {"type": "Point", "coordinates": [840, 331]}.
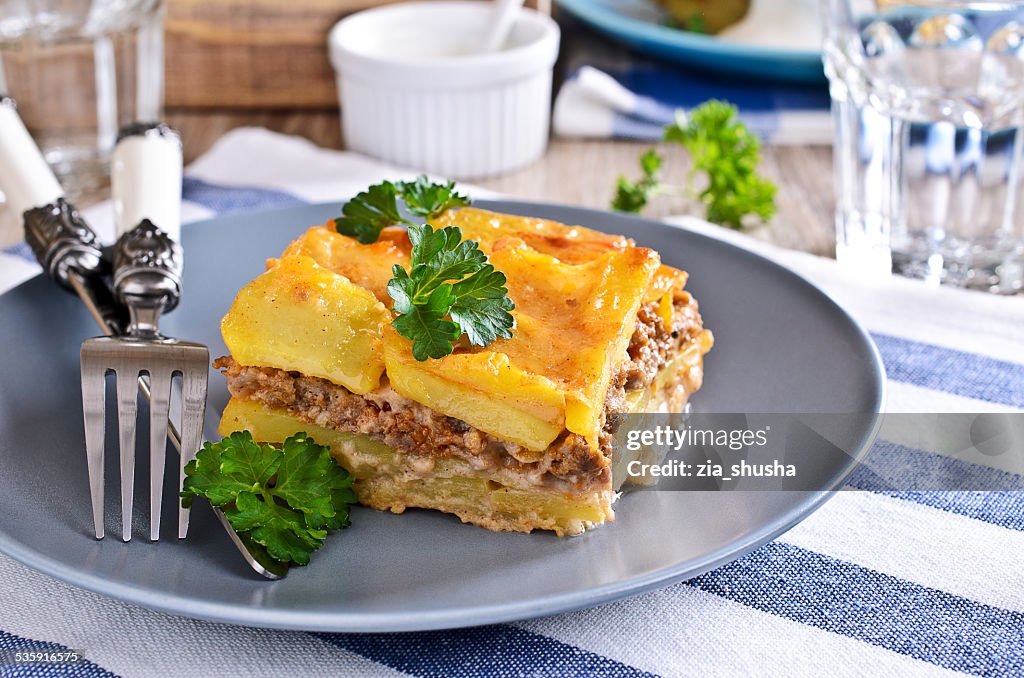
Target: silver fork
{"type": "Point", "coordinates": [147, 263]}
{"type": "Point", "coordinates": [70, 254]}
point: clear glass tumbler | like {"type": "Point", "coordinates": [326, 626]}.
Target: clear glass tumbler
{"type": "Point", "coordinates": [928, 104]}
{"type": "Point", "coordinates": [79, 69]}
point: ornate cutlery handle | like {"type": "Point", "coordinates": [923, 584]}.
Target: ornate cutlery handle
{"type": "Point", "coordinates": [57, 234]}
{"type": "Point", "coordinates": [61, 241]}
{"type": "Point", "coordinates": [146, 190]}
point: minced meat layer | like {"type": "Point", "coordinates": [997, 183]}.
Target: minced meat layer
{"type": "Point", "coordinates": [417, 430]}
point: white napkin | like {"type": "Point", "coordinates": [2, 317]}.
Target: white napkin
{"type": "Point", "coordinates": [593, 104]}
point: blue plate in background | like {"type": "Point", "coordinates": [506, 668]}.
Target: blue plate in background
{"type": "Point", "coordinates": [639, 24]}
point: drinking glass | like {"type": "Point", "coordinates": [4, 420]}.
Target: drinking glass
{"type": "Point", "coordinates": [928, 105]}
{"type": "Point", "coordinates": [79, 69]}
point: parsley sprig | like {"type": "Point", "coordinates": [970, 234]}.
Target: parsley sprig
{"type": "Point", "coordinates": [367, 214]}
{"type": "Point", "coordinates": [632, 196]}
{"type": "Point", "coordinates": [722, 148]}
{"type": "Point", "coordinates": [428, 200]}
{"type": "Point", "coordinates": [450, 289]}
{"type": "Point", "coordinates": [285, 498]}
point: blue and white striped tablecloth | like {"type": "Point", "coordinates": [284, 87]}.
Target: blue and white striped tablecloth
{"type": "Point", "coordinates": [874, 583]}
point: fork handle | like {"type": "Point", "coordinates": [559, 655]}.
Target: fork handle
{"type": "Point", "coordinates": [58, 236]}
{"type": "Point", "coordinates": [145, 178]}
{"type": "Point", "coordinates": [146, 189]}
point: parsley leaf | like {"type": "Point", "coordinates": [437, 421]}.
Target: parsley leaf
{"type": "Point", "coordinates": [282, 530]}
{"type": "Point", "coordinates": [722, 148]}
{"type": "Point", "coordinates": [633, 196]}
{"type": "Point", "coordinates": [366, 215]}
{"type": "Point", "coordinates": [695, 24]}
{"type": "Point", "coordinates": [450, 290]}
{"type": "Point", "coordinates": [285, 498]}
{"type": "Point", "coordinates": [308, 480]}
{"type": "Point", "coordinates": [432, 335]}
{"type": "Point", "coordinates": [428, 200]}
{"type": "Point", "coordinates": [482, 306]}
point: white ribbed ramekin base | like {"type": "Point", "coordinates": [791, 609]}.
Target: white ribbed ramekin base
{"type": "Point", "coordinates": [465, 134]}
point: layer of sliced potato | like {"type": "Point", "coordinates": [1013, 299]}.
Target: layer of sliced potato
{"type": "Point", "coordinates": [299, 316]}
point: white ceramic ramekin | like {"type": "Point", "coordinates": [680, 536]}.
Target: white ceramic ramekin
{"type": "Point", "coordinates": [413, 93]}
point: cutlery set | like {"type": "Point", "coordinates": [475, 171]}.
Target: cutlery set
{"type": "Point", "coordinates": [126, 289]}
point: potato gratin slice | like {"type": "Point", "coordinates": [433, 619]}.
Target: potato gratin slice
{"type": "Point", "coordinates": [516, 435]}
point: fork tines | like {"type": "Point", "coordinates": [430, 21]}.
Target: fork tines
{"type": "Point", "coordinates": [150, 366]}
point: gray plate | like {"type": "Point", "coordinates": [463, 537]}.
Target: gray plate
{"type": "Point", "coordinates": [782, 346]}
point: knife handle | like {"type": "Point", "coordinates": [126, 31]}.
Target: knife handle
{"type": "Point", "coordinates": [58, 236]}
{"type": "Point", "coordinates": [146, 190]}
{"type": "Point", "coordinates": [27, 180]}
